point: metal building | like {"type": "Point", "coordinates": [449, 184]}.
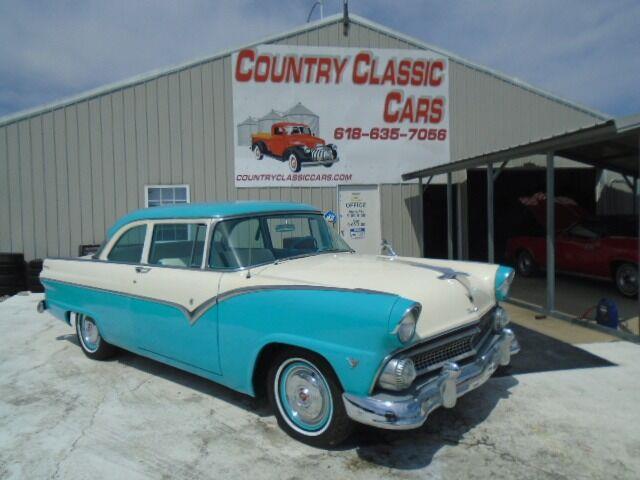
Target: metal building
{"type": "Point", "coordinates": [69, 169]}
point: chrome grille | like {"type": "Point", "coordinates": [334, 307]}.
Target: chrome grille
{"type": "Point", "coordinates": [430, 359]}
{"type": "Point", "coordinates": [454, 346]}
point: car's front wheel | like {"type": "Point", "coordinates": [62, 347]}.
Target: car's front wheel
{"type": "Point", "coordinates": [525, 264]}
{"type": "Point", "coordinates": [91, 342]}
{"type": "Point", "coordinates": [307, 399]}
{"type": "Point", "coordinates": [626, 278]}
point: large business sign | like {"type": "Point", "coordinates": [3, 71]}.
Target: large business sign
{"type": "Point", "coordinates": [319, 116]}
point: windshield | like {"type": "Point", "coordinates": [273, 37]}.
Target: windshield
{"type": "Point", "coordinates": [251, 241]}
{"type": "Point", "coordinates": [300, 131]}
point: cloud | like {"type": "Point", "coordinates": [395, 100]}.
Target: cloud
{"type": "Point", "coordinates": [582, 50]}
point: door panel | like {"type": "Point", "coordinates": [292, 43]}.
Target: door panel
{"type": "Point", "coordinates": [166, 315]}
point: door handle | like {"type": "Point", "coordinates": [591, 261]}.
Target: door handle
{"type": "Point", "coordinates": [142, 269]}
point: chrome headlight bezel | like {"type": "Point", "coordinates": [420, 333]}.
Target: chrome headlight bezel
{"type": "Point", "coordinates": [397, 374]}
{"type": "Point", "coordinates": [406, 328]}
{"type": "Point", "coordinates": [500, 319]}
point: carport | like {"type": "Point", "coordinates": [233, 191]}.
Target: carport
{"type": "Point", "coordinates": [612, 145]}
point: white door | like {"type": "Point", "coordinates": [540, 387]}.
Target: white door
{"type": "Point", "coordinates": [359, 219]}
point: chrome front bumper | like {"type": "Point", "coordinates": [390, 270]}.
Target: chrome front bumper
{"type": "Point", "coordinates": [405, 411]}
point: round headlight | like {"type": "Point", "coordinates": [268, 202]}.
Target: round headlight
{"type": "Point", "coordinates": [500, 319]}
{"type": "Point", "coordinates": [407, 327]}
{"type": "Point", "coordinates": [398, 374]}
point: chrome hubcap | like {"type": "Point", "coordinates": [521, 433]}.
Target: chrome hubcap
{"type": "Point", "coordinates": [628, 279]}
{"type": "Point", "coordinates": [293, 162]}
{"type": "Point", "coordinates": [89, 333]}
{"type": "Point", "coordinates": [257, 153]}
{"type": "Point", "coordinates": [304, 396]}
{"type": "Point", "coordinates": [307, 396]}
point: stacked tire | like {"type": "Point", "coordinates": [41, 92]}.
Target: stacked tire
{"type": "Point", "coordinates": [12, 268]}
{"type": "Point", "coordinates": [32, 276]}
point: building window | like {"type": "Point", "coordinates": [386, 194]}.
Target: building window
{"type": "Point", "coordinates": [158, 195]}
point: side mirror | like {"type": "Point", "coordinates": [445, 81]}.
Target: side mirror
{"type": "Point", "coordinates": [387, 249]}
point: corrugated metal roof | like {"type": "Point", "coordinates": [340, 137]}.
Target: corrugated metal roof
{"type": "Point", "coordinates": [571, 144]}
{"type": "Point", "coordinates": [274, 38]}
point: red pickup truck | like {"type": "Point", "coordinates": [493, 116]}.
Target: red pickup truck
{"type": "Point", "coordinates": [293, 143]}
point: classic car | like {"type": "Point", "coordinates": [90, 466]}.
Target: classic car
{"type": "Point", "coordinates": [267, 299]}
{"type": "Point", "coordinates": [293, 143]}
{"type": "Point", "coordinates": [584, 246]}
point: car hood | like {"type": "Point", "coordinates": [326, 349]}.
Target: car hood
{"type": "Point", "coordinates": [567, 211]}
{"type": "Point", "coordinates": [445, 301]}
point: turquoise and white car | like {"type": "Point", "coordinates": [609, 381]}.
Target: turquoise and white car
{"type": "Point", "coordinates": [267, 299]}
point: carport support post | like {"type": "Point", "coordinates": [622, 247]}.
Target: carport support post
{"type": "Point", "coordinates": [490, 245]}
{"type": "Point", "coordinates": [449, 218]}
{"type": "Point", "coordinates": [421, 193]}
{"type": "Point", "coordinates": [551, 234]}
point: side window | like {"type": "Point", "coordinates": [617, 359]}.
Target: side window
{"type": "Point", "coordinates": [238, 243]}
{"type": "Point", "coordinates": [178, 244]}
{"type": "Point", "coordinates": [129, 246]}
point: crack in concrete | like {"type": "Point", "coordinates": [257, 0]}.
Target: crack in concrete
{"type": "Point", "coordinates": [82, 433]}
{"type": "Point", "coordinates": [507, 456]}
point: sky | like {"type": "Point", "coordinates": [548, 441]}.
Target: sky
{"type": "Point", "coordinates": [586, 51]}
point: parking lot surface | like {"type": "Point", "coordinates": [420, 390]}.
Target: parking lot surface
{"type": "Point", "coordinates": [65, 416]}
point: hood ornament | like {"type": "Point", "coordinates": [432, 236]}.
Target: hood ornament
{"type": "Point", "coordinates": [463, 279]}
{"type": "Point", "coordinates": [387, 249]}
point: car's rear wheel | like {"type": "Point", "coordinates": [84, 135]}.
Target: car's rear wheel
{"type": "Point", "coordinates": [525, 264]}
{"type": "Point", "coordinates": [257, 151]}
{"type": "Point", "coordinates": [91, 342]}
{"type": "Point", "coordinates": [294, 162]}
{"type": "Point", "coordinates": [307, 399]}
{"type": "Point", "coordinates": [626, 279]}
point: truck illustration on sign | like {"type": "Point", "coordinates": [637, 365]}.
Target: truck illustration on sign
{"type": "Point", "coordinates": [293, 143]}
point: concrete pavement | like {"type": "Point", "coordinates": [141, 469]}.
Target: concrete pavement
{"type": "Point", "coordinates": [65, 416]}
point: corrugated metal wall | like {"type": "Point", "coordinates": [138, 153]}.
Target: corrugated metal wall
{"type": "Point", "coordinates": [67, 174]}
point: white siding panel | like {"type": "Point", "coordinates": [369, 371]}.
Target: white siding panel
{"type": "Point", "coordinates": [85, 188]}
{"type": "Point", "coordinates": [5, 197]}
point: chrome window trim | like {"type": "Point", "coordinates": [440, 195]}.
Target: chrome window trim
{"type": "Point", "coordinates": [189, 221]}
{"type": "Point", "coordinates": [262, 214]}
{"type": "Point", "coordinates": [119, 234]}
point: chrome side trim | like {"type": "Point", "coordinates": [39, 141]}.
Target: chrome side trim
{"type": "Point", "coordinates": [194, 315]}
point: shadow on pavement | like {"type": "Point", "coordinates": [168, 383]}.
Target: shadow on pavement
{"type": "Point", "coordinates": [542, 353]}
{"type": "Point", "coordinates": [415, 449]}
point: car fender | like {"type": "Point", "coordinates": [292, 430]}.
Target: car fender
{"type": "Point", "coordinates": [349, 328]}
